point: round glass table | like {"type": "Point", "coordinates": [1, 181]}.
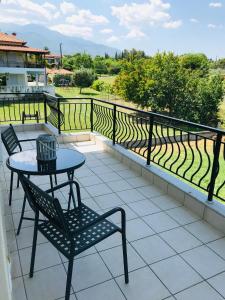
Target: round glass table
{"type": "Point", "coordinates": [25, 162]}
{"type": "Point", "coordinates": [67, 161]}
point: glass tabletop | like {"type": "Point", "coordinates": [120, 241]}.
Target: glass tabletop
{"type": "Point", "coordinates": [26, 162]}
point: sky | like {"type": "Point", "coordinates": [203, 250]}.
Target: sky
{"type": "Point", "coordinates": [180, 26]}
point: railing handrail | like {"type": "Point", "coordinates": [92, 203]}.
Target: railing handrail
{"type": "Point", "coordinates": [148, 114]}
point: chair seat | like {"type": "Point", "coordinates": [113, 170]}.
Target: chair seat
{"type": "Point", "coordinates": [77, 219]}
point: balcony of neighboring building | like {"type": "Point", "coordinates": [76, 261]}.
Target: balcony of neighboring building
{"type": "Point", "coordinates": [11, 60]}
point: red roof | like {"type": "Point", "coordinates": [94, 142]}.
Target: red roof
{"type": "Point", "coordinates": [9, 42]}
{"type": "Point", "coordinates": [52, 56]}
{"type": "Point", "coordinates": [22, 49]}
{"type": "Point", "coordinates": [58, 71]}
{"type": "Point", "coordinates": [10, 39]}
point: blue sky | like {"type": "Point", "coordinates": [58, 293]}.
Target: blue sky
{"type": "Point", "coordinates": [151, 25]}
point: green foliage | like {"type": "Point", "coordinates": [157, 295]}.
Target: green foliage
{"type": "Point", "coordinates": [100, 65]}
{"type": "Point", "coordinates": [61, 80]}
{"type": "Point", "coordinates": [219, 64]}
{"type": "Point", "coordinates": [83, 78]}
{"type": "Point", "coordinates": [98, 85]}
{"type": "Point", "coordinates": [77, 61]}
{"type": "Point", "coordinates": [195, 62]}
{"type": "Point", "coordinates": [165, 84]}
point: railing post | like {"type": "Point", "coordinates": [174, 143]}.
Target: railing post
{"type": "Point", "coordinates": [91, 115]}
{"type": "Point", "coordinates": [114, 124]}
{"type": "Point", "coordinates": [58, 108]}
{"type": "Point", "coordinates": [150, 133]}
{"type": "Point", "coordinates": [215, 166]}
{"type": "Point", "coordinates": [45, 108]}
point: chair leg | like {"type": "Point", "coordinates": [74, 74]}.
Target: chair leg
{"type": "Point", "coordinates": [51, 184]}
{"type": "Point", "coordinates": [22, 215]}
{"type": "Point", "coordinates": [34, 246]}
{"type": "Point", "coordinates": [69, 277]}
{"type": "Point", "coordinates": [124, 245]}
{"type": "Point", "coordinates": [56, 180]}
{"type": "Point", "coordinates": [18, 181]}
{"type": "Point", "coordinates": [10, 190]}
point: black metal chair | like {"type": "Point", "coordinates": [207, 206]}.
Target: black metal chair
{"type": "Point", "coordinates": [70, 231]}
{"type": "Point", "coordinates": [12, 145]}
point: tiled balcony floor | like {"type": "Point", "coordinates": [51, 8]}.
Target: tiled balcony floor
{"type": "Point", "coordinates": [171, 253]}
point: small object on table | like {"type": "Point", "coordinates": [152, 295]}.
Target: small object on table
{"type": "Point", "coordinates": [46, 147]}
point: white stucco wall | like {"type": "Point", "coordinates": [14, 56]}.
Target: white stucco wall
{"type": "Point", "coordinates": [5, 277]}
{"type": "Point", "coordinates": [16, 79]}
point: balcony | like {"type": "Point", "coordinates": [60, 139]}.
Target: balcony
{"type": "Point", "coordinates": [11, 90]}
{"type": "Point", "coordinates": [22, 64]}
{"type": "Point", "coordinates": [175, 235]}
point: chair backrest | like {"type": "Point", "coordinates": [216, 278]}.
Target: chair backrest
{"type": "Point", "coordinates": [10, 140]}
{"type": "Point", "coordinates": [41, 201]}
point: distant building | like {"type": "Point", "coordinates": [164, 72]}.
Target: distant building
{"type": "Point", "coordinates": [53, 60]}
{"type": "Point", "coordinates": [22, 68]}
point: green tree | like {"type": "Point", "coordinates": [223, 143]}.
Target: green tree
{"type": "Point", "coordinates": [83, 78]}
{"type": "Point", "coordinates": [162, 83]}
{"type": "Point", "coordinates": [195, 62]}
{"type": "Point", "coordinates": [100, 65]}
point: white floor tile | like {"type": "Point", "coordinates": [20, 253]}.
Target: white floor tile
{"type": "Point", "coordinates": [218, 246]}
{"type": "Point", "coordinates": [143, 285]}
{"type": "Point", "coordinates": [204, 261]}
{"type": "Point", "coordinates": [46, 256]}
{"type": "Point", "coordinates": [18, 289]}
{"type": "Point", "coordinates": [107, 290]}
{"type": "Point", "coordinates": [130, 195]}
{"type": "Point", "coordinates": [204, 231]}
{"type": "Point", "coordinates": [108, 201]}
{"type": "Point", "coordinates": [199, 291]}
{"type": "Point", "coordinates": [119, 185]}
{"type": "Point", "coordinates": [150, 191]}
{"type": "Point", "coordinates": [98, 190]}
{"type": "Point", "coordinates": [88, 271]}
{"type": "Point", "coordinates": [180, 239]}
{"type": "Point", "coordinates": [137, 229]}
{"type": "Point", "coordinates": [114, 260]}
{"type": "Point", "coordinates": [153, 249]}
{"type": "Point", "coordinates": [218, 283]}
{"type": "Point", "coordinates": [47, 284]}
{"type": "Point", "coordinates": [160, 222]}
{"type": "Point", "coordinates": [176, 274]}
{"type": "Point", "coordinates": [182, 215]}
{"type": "Point", "coordinates": [144, 207]}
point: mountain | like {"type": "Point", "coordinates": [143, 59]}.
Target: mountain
{"type": "Point", "coordinates": [40, 36]}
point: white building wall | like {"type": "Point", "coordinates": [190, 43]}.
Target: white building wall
{"type": "Point", "coordinates": [16, 79]}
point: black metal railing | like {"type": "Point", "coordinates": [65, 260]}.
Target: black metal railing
{"type": "Point", "coordinates": [12, 108]}
{"type": "Point", "coordinates": [193, 152]}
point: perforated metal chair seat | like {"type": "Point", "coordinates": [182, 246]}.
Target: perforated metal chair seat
{"type": "Point", "coordinates": [78, 218]}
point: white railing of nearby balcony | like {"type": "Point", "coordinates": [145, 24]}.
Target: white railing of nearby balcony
{"type": "Point", "coordinates": [27, 89]}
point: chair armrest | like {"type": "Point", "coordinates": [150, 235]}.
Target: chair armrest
{"type": "Point", "coordinates": [104, 216]}
{"type": "Point", "coordinates": [59, 186]}
{"type": "Point", "coordinates": [27, 140]}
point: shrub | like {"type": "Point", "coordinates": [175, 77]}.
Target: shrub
{"type": "Point", "coordinates": [83, 78]}
{"type": "Point", "coordinates": [62, 80]}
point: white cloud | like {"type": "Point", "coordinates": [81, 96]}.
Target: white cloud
{"type": "Point", "coordinates": [49, 5]}
{"type": "Point", "coordinates": [135, 33]}
{"type": "Point", "coordinates": [172, 24]}
{"type": "Point", "coordinates": [214, 26]}
{"type": "Point", "coordinates": [61, 16]}
{"type": "Point", "coordinates": [136, 17]}
{"type": "Point", "coordinates": [215, 4]}
{"type": "Point", "coordinates": [106, 31]}
{"type": "Point", "coordinates": [193, 20]}
{"type": "Point", "coordinates": [84, 17]}
{"type": "Point", "coordinates": [72, 30]}
{"type": "Point", "coordinates": [112, 39]}
{"type": "Point", "coordinates": [151, 12]}
{"type": "Point", "coordinates": [67, 7]}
